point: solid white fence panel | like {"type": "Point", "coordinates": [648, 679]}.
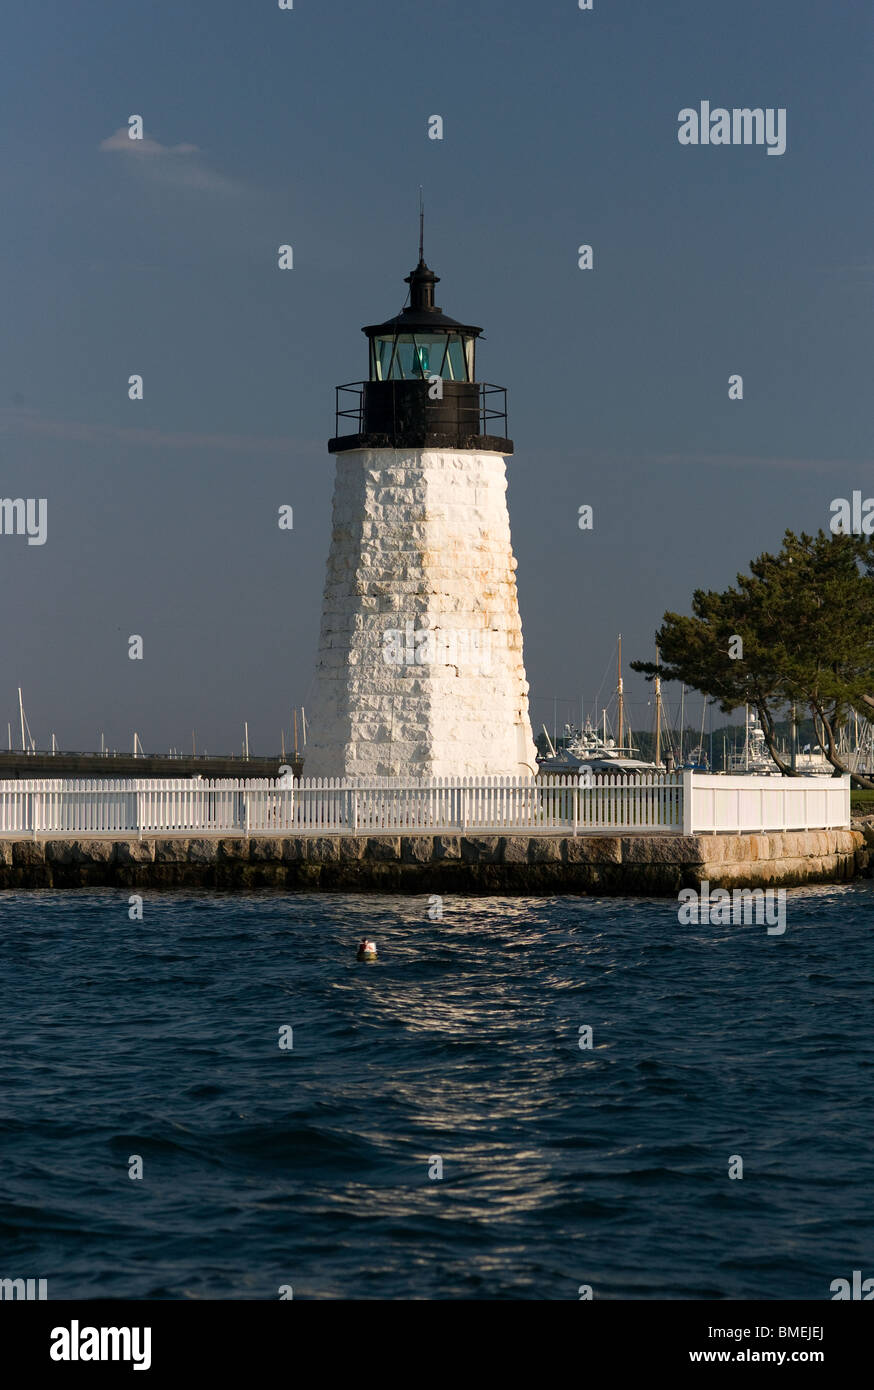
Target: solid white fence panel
{"type": "Point", "coordinates": [744, 805]}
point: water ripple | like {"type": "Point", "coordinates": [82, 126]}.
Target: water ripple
{"type": "Point", "coordinates": [310, 1166]}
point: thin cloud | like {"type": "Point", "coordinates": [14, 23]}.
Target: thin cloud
{"type": "Point", "coordinates": [25, 420]}
{"type": "Point", "coordinates": [614, 458]}
{"type": "Point", "coordinates": [19, 421]}
{"type": "Point", "coordinates": [122, 142]}
{"type": "Point", "coordinates": [177, 165]}
{"type": "Point", "coordinates": [756, 462]}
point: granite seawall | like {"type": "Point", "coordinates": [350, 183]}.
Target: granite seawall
{"type": "Point", "coordinates": [460, 863]}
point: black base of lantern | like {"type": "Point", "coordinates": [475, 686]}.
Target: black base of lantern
{"type": "Point", "coordinates": [402, 414]}
{"type": "Point", "coordinates": [421, 440]}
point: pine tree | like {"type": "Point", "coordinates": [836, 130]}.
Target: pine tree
{"type": "Point", "coordinates": [805, 618]}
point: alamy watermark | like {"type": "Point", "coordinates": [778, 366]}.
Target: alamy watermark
{"type": "Point", "coordinates": [24, 1288]}
{"type": "Point", "coordinates": [25, 516]}
{"type": "Point", "coordinates": [852, 516]}
{"type": "Point", "coordinates": [75, 1343]}
{"type": "Point", "coordinates": [742, 907]}
{"type": "Point", "coordinates": [739, 126]}
{"type": "Point", "coordinates": [860, 1289]}
{"type": "Point", "coordinates": [467, 649]}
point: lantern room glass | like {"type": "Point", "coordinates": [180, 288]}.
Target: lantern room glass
{"type": "Point", "coordinates": [417, 356]}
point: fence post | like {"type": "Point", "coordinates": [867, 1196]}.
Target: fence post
{"type": "Point", "coordinates": [688, 811]}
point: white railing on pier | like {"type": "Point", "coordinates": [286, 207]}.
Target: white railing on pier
{"type": "Point", "coordinates": [685, 802]}
{"type": "Point", "coordinates": [559, 803]}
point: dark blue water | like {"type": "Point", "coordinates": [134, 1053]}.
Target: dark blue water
{"type": "Point", "coordinates": [309, 1167]}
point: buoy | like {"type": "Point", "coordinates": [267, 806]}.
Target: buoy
{"type": "Point", "coordinates": [366, 949]}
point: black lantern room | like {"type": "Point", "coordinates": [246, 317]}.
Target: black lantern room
{"type": "Point", "coordinates": [422, 390]}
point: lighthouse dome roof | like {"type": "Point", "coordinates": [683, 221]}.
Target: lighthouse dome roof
{"type": "Point", "coordinates": [421, 314]}
{"type": "Point", "coordinates": [409, 320]}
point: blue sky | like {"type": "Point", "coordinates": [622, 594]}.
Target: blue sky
{"type": "Point", "coordinates": [310, 128]}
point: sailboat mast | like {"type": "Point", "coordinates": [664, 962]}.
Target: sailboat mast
{"type": "Point", "coordinates": [21, 715]}
{"type": "Point", "coordinates": [682, 719]}
{"type": "Point", "coordinates": [620, 697]}
{"type": "Point", "coordinates": [658, 715]}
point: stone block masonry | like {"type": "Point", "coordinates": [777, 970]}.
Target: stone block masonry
{"type": "Point", "coordinates": [420, 547]}
{"type": "Point", "coordinates": [454, 863]}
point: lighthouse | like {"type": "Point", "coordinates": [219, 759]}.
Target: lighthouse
{"type": "Point", "coordinates": [420, 670]}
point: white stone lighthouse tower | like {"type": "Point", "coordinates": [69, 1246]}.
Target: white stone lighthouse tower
{"type": "Point", "coordinates": [420, 670]}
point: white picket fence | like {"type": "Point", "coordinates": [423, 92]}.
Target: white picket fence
{"type": "Point", "coordinates": [681, 803]}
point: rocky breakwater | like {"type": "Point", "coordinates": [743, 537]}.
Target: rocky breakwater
{"type": "Point", "coordinates": [513, 864]}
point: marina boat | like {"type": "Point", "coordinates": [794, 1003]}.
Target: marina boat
{"type": "Point", "coordinates": [754, 755]}
{"type": "Point", "coordinates": [585, 748]}
{"type": "Point", "coordinates": [697, 761]}
{"type": "Point", "coordinates": [588, 748]}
